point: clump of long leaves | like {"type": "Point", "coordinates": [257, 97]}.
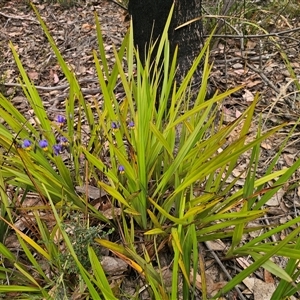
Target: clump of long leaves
{"type": "Point", "coordinates": [163, 162]}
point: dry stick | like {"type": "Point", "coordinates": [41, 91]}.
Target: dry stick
{"type": "Point", "coordinates": [254, 35]}
{"type": "Point", "coordinates": [19, 18]}
{"type": "Point", "coordinates": [279, 92]}
{"type": "Point", "coordinates": [225, 57]}
{"type": "Point", "coordinates": [254, 58]}
{"type": "Point", "coordinates": [224, 269]}
{"type": "Point", "coordinates": [260, 54]}
{"type": "Point", "coordinates": [62, 97]}
{"type": "Point", "coordinates": [294, 204]}
{"type": "Point", "coordinates": [263, 77]}
{"type": "Point", "coordinates": [242, 37]}
{"type": "Point", "coordinates": [119, 3]}
{"type": "Point", "coordinates": [268, 82]}
{"type": "Point", "coordinates": [273, 238]}
{"type": "Point", "coordinates": [225, 9]}
{"type": "Point", "coordinates": [282, 95]}
{"type": "Point", "coordinates": [52, 88]}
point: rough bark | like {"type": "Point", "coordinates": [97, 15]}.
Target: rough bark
{"type": "Point", "coordinates": [188, 38]}
{"type": "Point", "coordinates": [149, 18]}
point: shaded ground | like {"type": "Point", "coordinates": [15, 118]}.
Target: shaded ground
{"type": "Point", "coordinates": [257, 63]}
{"type": "Point", "coordinates": [73, 31]}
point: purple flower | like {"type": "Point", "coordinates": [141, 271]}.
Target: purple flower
{"type": "Point", "coordinates": [61, 120]}
{"type": "Point", "coordinates": [27, 145]}
{"type": "Point", "coordinates": [131, 125]}
{"type": "Point", "coordinates": [121, 169]}
{"type": "Point", "coordinates": [63, 141]}
{"type": "Point", "coordinates": [57, 149]}
{"type": "Point", "coordinates": [115, 126]}
{"type": "Point", "coordinates": [43, 144]}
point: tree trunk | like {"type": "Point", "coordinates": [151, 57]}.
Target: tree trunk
{"type": "Point", "coordinates": [187, 38]}
{"type": "Point", "coordinates": [149, 18]}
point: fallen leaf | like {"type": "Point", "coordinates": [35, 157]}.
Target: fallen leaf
{"type": "Point", "coordinates": [260, 289]}
{"type": "Point", "coordinates": [251, 45]}
{"type": "Point", "coordinates": [243, 262]}
{"type": "Point", "coordinates": [91, 191]}
{"type": "Point", "coordinates": [211, 286]}
{"type": "Point", "coordinates": [33, 75]}
{"type": "Point", "coordinates": [238, 66]}
{"type": "Point", "coordinates": [88, 26]}
{"type": "Point", "coordinates": [289, 159]}
{"type": "Point", "coordinates": [275, 200]}
{"type": "Point", "coordinates": [111, 213]}
{"type": "Point", "coordinates": [55, 78]}
{"type": "Point", "coordinates": [113, 266]}
{"type": "Point", "coordinates": [253, 83]}
{"type": "Point", "coordinates": [216, 245]}
{"type": "Point", "coordinates": [237, 113]}
{"type": "Point", "coordinates": [248, 96]}
{"type": "Point", "coordinates": [266, 146]}
{"type": "Point", "coordinates": [268, 277]}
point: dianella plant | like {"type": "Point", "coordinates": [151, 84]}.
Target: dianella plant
{"type": "Point", "coordinates": [162, 158]}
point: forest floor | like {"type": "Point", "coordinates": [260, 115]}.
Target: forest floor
{"type": "Point", "coordinates": [258, 63]}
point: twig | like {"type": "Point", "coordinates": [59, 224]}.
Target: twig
{"type": "Point", "coordinates": [273, 238]}
{"type": "Point", "coordinates": [50, 88]}
{"type": "Point", "coordinates": [19, 18]}
{"type": "Point", "coordinates": [120, 4]}
{"type": "Point", "coordinates": [281, 94]}
{"type": "Point", "coordinates": [248, 58]}
{"type": "Point", "coordinates": [254, 35]}
{"type": "Point", "coordinates": [224, 270]}
{"type": "Point", "coordinates": [263, 77]}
